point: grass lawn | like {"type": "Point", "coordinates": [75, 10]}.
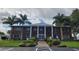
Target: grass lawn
{"type": "Point", "coordinates": [13, 43]}
{"type": "Point", "coordinates": [9, 43]}
{"type": "Point", "coordinates": [71, 44]}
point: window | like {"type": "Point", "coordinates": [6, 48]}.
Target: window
{"type": "Point", "coordinates": [41, 29]}
{"type": "Point", "coordinates": [28, 29]}
{"type": "Point", "coordinates": [16, 36]}
{"type": "Point", "coordinates": [35, 29]}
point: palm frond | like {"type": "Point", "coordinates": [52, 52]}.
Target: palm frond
{"type": "Point", "coordinates": [13, 17]}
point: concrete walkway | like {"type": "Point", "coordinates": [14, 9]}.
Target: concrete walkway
{"type": "Point", "coordinates": [42, 44]}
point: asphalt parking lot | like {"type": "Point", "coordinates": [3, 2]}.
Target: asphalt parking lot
{"type": "Point", "coordinates": [37, 49]}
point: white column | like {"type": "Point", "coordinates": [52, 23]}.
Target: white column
{"type": "Point", "coordinates": [44, 31]}
{"type": "Point", "coordinates": [52, 31]}
{"type": "Point", "coordinates": [30, 31]}
{"type": "Point", "coordinates": [37, 31]}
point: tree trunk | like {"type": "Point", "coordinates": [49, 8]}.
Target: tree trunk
{"type": "Point", "coordinates": [10, 34]}
{"type": "Point", "coordinates": [61, 33]}
{"type": "Point", "coordinates": [74, 34]}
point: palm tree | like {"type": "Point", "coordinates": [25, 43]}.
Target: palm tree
{"type": "Point", "coordinates": [22, 20]}
{"type": "Point", "coordinates": [59, 18]}
{"type": "Point", "coordinates": [59, 21]}
{"type": "Point", "coordinates": [10, 20]}
{"type": "Point", "coordinates": [72, 21]}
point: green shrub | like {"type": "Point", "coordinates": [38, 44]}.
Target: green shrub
{"type": "Point", "coordinates": [45, 39]}
{"type": "Point", "coordinates": [56, 43]}
{"type": "Point", "coordinates": [50, 43]}
{"type": "Point", "coordinates": [28, 43]}
{"type": "Point", "coordinates": [22, 45]}
{"type": "Point", "coordinates": [48, 40]}
{"type": "Point", "coordinates": [63, 46]}
{"type": "Point", "coordinates": [55, 39]}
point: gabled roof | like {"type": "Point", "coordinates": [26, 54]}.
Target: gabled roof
{"type": "Point", "coordinates": [42, 23]}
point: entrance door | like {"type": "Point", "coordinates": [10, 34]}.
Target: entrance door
{"type": "Point", "coordinates": [41, 33]}
{"type": "Point", "coordinates": [41, 36]}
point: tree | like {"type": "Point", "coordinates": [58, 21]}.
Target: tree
{"type": "Point", "coordinates": [72, 21]}
{"type": "Point", "coordinates": [59, 18]}
{"type": "Point", "coordinates": [75, 22]}
{"type": "Point", "coordinates": [2, 33]}
{"type": "Point", "coordinates": [62, 20]}
{"type": "Point", "coordinates": [10, 20]}
{"type": "Point", "coordinates": [22, 20]}
{"type": "Point", "coordinates": [67, 21]}
{"type": "Point", "coordinates": [59, 21]}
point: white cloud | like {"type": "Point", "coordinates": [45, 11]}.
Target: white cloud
{"type": "Point", "coordinates": [4, 28]}
{"type": "Point", "coordinates": [37, 12]}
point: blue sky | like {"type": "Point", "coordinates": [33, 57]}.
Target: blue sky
{"type": "Point", "coordinates": [34, 14]}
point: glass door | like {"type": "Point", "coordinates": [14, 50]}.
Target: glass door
{"type": "Point", "coordinates": [41, 33]}
{"type": "Point", "coordinates": [41, 36]}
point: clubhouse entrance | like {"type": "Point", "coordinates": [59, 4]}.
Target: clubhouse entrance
{"type": "Point", "coordinates": [41, 36]}
{"type": "Point", "coordinates": [41, 33]}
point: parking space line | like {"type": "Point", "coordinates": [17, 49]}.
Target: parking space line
{"type": "Point", "coordinates": [8, 49]}
{"type": "Point", "coordinates": [36, 49]}
{"type": "Point", "coordinates": [0, 48]}
{"type": "Point", "coordinates": [50, 49]}
{"type": "Point", "coordinates": [76, 49]}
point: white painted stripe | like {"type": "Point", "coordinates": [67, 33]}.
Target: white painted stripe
{"type": "Point", "coordinates": [8, 49]}
{"type": "Point", "coordinates": [50, 49]}
{"type": "Point", "coordinates": [36, 49]}
{"type": "Point", "coordinates": [0, 48]}
{"type": "Point", "coordinates": [76, 49]}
